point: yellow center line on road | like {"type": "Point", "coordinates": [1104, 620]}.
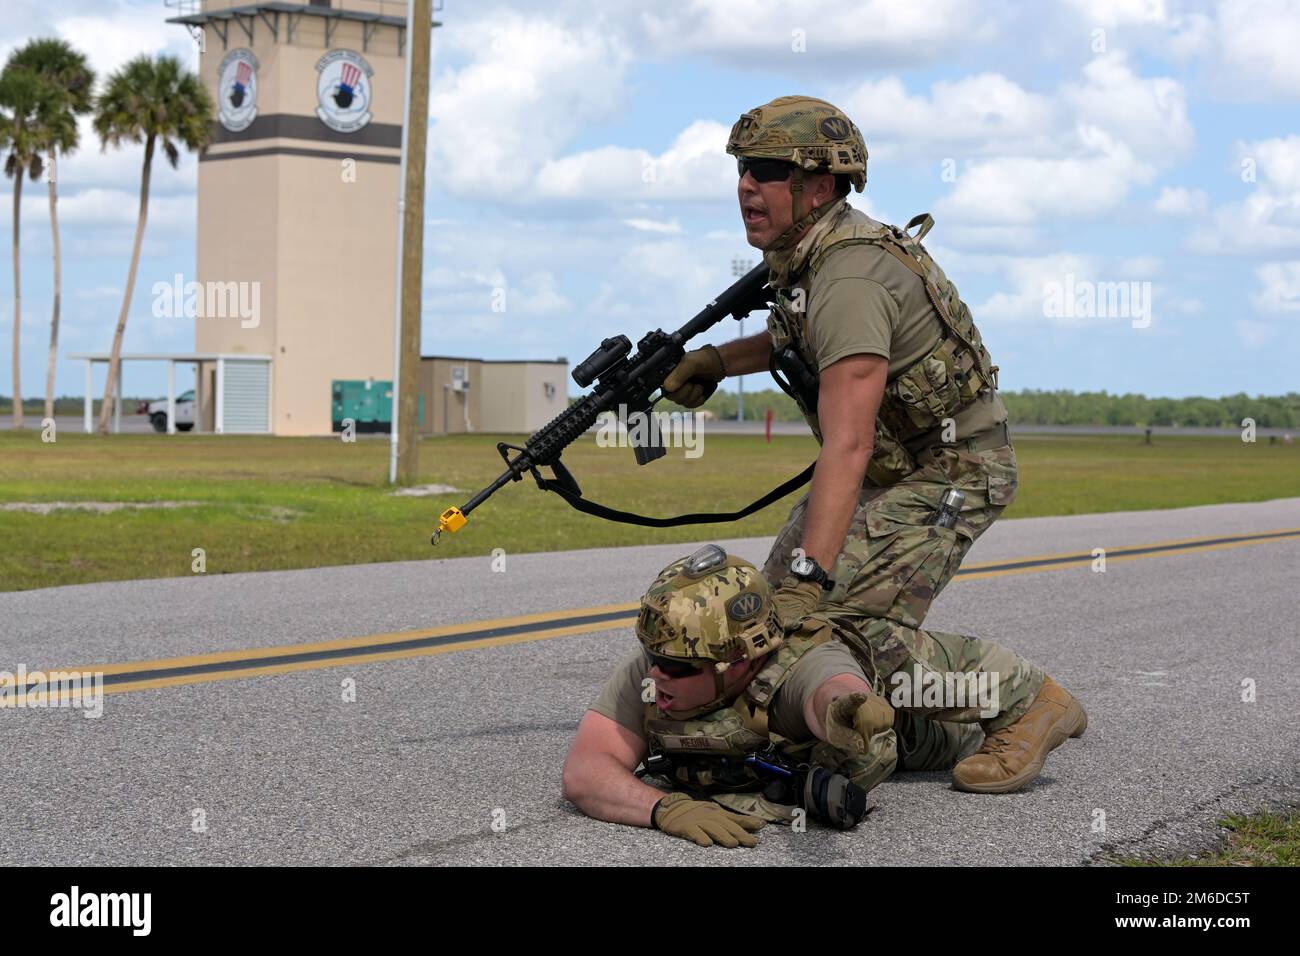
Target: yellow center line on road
{"type": "Point", "coordinates": [1053, 562]}
{"type": "Point", "coordinates": [467, 630]}
{"type": "Point", "coordinates": [498, 632]}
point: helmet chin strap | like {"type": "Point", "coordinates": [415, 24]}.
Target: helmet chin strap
{"type": "Point", "coordinates": [719, 686]}
{"type": "Point", "coordinates": [796, 193]}
{"type": "Point", "coordinates": [802, 221]}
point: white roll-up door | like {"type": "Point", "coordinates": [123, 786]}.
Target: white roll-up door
{"type": "Point", "coordinates": [246, 397]}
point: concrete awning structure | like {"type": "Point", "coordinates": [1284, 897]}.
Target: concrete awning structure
{"type": "Point", "coordinates": [249, 387]}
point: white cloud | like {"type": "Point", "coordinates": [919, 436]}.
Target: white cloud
{"type": "Point", "coordinates": [653, 225]}
{"type": "Point", "coordinates": [1069, 290]}
{"type": "Point", "coordinates": [114, 208]}
{"type": "Point", "coordinates": [1258, 40]}
{"type": "Point", "coordinates": [538, 294]}
{"type": "Point", "coordinates": [530, 87]}
{"type": "Point", "coordinates": [881, 32]}
{"type": "Point", "coordinates": [696, 166]}
{"type": "Point", "coordinates": [1175, 28]}
{"type": "Point", "coordinates": [1028, 278]}
{"type": "Point", "coordinates": [1256, 224]}
{"type": "Point", "coordinates": [1111, 13]}
{"type": "Point", "coordinates": [1077, 153]}
{"type": "Point", "coordinates": [1146, 114]}
{"type": "Point", "coordinates": [989, 115]}
{"type": "Point", "coordinates": [111, 37]}
{"type": "Point", "coordinates": [1277, 161]}
{"type": "Point", "coordinates": [981, 114]}
{"type": "Point", "coordinates": [499, 131]}
{"type": "Point", "coordinates": [1181, 201]}
{"type": "Point", "coordinates": [563, 297]}
{"type": "Point", "coordinates": [468, 305]}
{"type": "Point", "coordinates": [1280, 287]}
{"type": "Point", "coordinates": [1248, 45]}
{"type": "Point", "coordinates": [1268, 219]}
{"type": "Point", "coordinates": [1192, 36]}
{"type": "Point", "coordinates": [1024, 190]}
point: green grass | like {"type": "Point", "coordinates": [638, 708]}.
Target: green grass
{"type": "Point", "coordinates": [1265, 838]}
{"type": "Point", "coordinates": [268, 503]}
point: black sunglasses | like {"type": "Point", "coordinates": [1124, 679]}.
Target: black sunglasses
{"type": "Point", "coordinates": [765, 170]}
{"type": "Point", "coordinates": [671, 666]}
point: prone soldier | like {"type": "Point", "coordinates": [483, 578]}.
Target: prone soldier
{"type": "Point", "coordinates": [750, 720]}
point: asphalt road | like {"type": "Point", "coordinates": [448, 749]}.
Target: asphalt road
{"type": "Point", "coordinates": [280, 769]}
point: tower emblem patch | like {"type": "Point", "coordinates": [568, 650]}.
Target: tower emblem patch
{"type": "Point", "coordinates": [343, 91]}
{"type": "Point", "coordinates": [237, 90]}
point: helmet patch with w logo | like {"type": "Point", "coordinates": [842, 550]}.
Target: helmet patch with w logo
{"type": "Point", "coordinates": [834, 127]}
{"type": "Point", "coordinates": [744, 607]}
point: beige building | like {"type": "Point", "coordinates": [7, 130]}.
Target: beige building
{"type": "Point", "coordinates": [497, 397]}
{"type": "Point", "coordinates": [298, 194]}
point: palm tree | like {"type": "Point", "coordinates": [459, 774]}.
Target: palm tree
{"type": "Point", "coordinates": [157, 102]}
{"type": "Point", "coordinates": [22, 137]}
{"type": "Point", "coordinates": [69, 81]}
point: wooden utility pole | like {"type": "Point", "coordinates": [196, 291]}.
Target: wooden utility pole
{"type": "Point", "coordinates": [412, 251]}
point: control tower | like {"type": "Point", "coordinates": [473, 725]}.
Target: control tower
{"type": "Point", "coordinates": [298, 200]}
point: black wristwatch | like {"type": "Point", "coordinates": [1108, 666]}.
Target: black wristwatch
{"type": "Point", "coordinates": [807, 569]}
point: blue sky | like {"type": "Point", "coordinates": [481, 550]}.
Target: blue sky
{"type": "Point", "coordinates": [1094, 141]}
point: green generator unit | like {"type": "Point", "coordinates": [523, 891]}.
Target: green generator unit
{"type": "Point", "coordinates": [367, 402]}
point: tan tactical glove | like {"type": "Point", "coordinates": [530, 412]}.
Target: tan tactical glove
{"type": "Point", "coordinates": [704, 822]}
{"type": "Point", "coordinates": [695, 377]}
{"type": "Point", "coordinates": [853, 719]}
{"type": "Point", "coordinates": [795, 600]}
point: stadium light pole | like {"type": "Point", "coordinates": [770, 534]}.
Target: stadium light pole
{"type": "Point", "coordinates": [740, 267]}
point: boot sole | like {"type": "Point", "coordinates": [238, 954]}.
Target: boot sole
{"type": "Point", "coordinates": [1072, 724]}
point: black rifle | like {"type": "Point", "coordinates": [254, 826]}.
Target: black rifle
{"type": "Point", "coordinates": [623, 380]}
{"type": "Point", "coordinates": [827, 796]}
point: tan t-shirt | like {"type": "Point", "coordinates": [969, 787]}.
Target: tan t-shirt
{"type": "Point", "coordinates": [620, 698]}
{"type": "Point", "coordinates": [864, 301]}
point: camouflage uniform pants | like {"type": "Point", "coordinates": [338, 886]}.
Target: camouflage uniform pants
{"type": "Point", "coordinates": [893, 565]}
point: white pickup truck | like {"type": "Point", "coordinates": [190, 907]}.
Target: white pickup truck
{"type": "Point", "coordinates": [157, 412]}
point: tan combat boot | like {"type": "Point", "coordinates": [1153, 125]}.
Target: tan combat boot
{"type": "Point", "coordinates": [1014, 755]}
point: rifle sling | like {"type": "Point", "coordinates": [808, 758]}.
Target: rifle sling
{"type": "Point", "coordinates": [626, 517]}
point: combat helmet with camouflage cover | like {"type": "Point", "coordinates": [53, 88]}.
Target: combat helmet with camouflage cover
{"type": "Point", "coordinates": [710, 610]}
{"type": "Point", "coordinates": [810, 133]}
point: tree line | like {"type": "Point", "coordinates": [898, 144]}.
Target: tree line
{"type": "Point", "coordinates": [1064, 407]}
{"type": "Point", "coordinates": [1028, 407]}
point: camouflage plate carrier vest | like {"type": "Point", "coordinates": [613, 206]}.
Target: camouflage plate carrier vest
{"type": "Point", "coordinates": [708, 750]}
{"type": "Point", "coordinates": [936, 386]}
